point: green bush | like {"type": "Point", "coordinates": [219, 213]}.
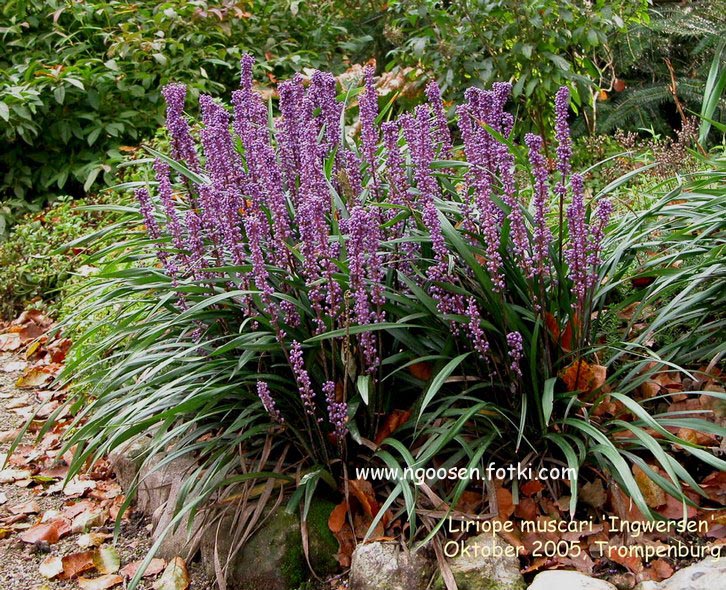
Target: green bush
{"type": "Point", "coordinates": [538, 46]}
{"type": "Point", "coordinates": [79, 80]}
{"type": "Point", "coordinates": [33, 264]}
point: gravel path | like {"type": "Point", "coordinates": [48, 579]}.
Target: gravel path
{"type": "Point", "coordinates": [20, 561]}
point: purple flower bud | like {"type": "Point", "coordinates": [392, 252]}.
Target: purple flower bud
{"type": "Point", "coordinates": [576, 251]}
{"type": "Point", "coordinates": [515, 344]}
{"type": "Point", "coordinates": [365, 278]}
{"type": "Point", "coordinates": [337, 412]}
{"type": "Point", "coordinates": [476, 333]}
{"type": "Point", "coordinates": [368, 106]}
{"type": "Point", "coordinates": [564, 143]}
{"type": "Point", "coordinates": [441, 126]}
{"type": "Point", "coordinates": [542, 232]}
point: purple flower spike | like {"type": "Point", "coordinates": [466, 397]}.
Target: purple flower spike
{"type": "Point", "coordinates": [337, 412]}
{"type": "Point", "coordinates": [441, 126]}
{"type": "Point", "coordinates": [223, 164]}
{"type": "Point", "coordinates": [366, 273]}
{"type": "Point", "coordinates": [182, 144]}
{"type": "Point", "coordinates": [478, 338]}
{"type": "Point", "coordinates": [542, 232]}
{"type": "Point", "coordinates": [195, 245]}
{"type": "Point", "coordinates": [263, 391]}
{"type": "Point", "coordinates": [515, 344]}
{"type": "Point", "coordinates": [323, 95]}
{"type": "Point", "coordinates": [597, 233]}
{"type": "Point", "coordinates": [576, 252]}
{"type": "Point", "coordinates": [564, 143]}
{"type": "Point", "coordinates": [368, 105]}
{"type": "Point", "coordinates": [395, 166]}
{"type": "Point", "coordinates": [146, 207]}
{"type": "Point", "coordinates": [307, 395]}
{"type": "Point", "coordinates": [246, 79]}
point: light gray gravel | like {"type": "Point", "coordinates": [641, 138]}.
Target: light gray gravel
{"type": "Point", "coordinates": [19, 562]}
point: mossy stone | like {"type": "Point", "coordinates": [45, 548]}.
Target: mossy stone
{"type": "Point", "coordinates": [323, 545]}
{"type": "Point", "coordinates": [273, 558]}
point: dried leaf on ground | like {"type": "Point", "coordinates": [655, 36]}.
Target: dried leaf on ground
{"type": "Point", "coordinates": [584, 377]}
{"type": "Point", "coordinates": [505, 503]}
{"type": "Point", "coordinates": [9, 342]}
{"type": "Point", "coordinates": [77, 563]}
{"type": "Point", "coordinates": [100, 583]}
{"type": "Point", "coordinates": [156, 566]}
{"type": "Point", "coordinates": [660, 570]}
{"type": "Point", "coordinates": [337, 517]}
{"type": "Point", "coordinates": [175, 576]}
{"type": "Point", "coordinates": [92, 539]}
{"type": "Point", "coordinates": [593, 493]}
{"type": "Point", "coordinates": [51, 567]}
{"type": "Point", "coordinates": [652, 492]}
{"type": "Point", "coordinates": [49, 532]}
{"type": "Point", "coordinates": [106, 559]}
{"type": "Point", "coordinates": [35, 377]}
{"type": "Point", "coordinates": [30, 507]}
{"type": "Point", "coordinates": [392, 422]}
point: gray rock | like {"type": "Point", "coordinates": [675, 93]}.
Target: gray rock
{"type": "Point", "coordinates": [158, 495]}
{"type": "Point", "coordinates": [568, 580]}
{"type": "Point", "coordinates": [485, 562]}
{"type": "Point", "coordinates": [126, 460]}
{"type": "Point", "coordinates": [388, 566]}
{"type": "Point", "coordinates": [709, 574]}
{"type": "Point", "coordinates": [272, 558]}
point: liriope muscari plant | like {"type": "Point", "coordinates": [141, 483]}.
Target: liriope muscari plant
{"type": "Point", "coordinates": [408, 297]}
{"type": "Point", "coordinates": [319, 238]}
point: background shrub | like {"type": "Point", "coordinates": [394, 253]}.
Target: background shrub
{"type": "Point", "coordinates": [33, 263]}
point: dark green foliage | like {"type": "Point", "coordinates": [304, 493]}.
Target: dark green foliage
{"type": "Point", "coordinates": [538, 45]}
{"type": "Point", "coordinates": [688, 36]}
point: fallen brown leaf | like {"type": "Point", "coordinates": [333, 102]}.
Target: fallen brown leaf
{"type": "Point", "coordinates": [49, 532]}
{"type": "Point", "coordinates": [77, 563]}
{"type": "Point", "coordinates": [100, 583]}
{"type": "Point", "coordinates": [175, 576]}
{"type": "Point", "coordinates": [156, 566]}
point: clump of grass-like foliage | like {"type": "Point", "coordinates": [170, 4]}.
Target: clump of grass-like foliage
{"type": "Point", "coordinates": [283, 291]}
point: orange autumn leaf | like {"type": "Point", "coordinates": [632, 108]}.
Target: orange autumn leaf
{"type": "Point", "coordinates": [660, 570]}
{"type": "Point", "coordinates": [421, 371]}
{"type": "Point", "coordinates": [363, 492]}
{"type": "Point", "coordinates": [653, 494]}
{"type": "Point", "coordinates": [584, 377]}
{"type": "Point", "coordinates": [336, 520]}
{"type": "Point", "coordinates": [394, 419]}
{"type": "Point", "coordinates": [49, 532]}
{"type": "Point", "coordinates": [77, 563]}
{"type": "Point", "coordinates": [469, 502]}
{"type": "Point", "coordinates": [526, 509]}
{"type": "Point", "coordinates": [505, 503]}
{"type": "Point", "coordinates": [532, 487]}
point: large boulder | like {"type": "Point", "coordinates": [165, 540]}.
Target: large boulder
{"type": "Point", "coordinates": [568, 580]}
{"type": "Point", "coordinates": [388, 566]}
{"type": "Point", "coordinates": [126, 460]}
{"type": "Point", "coordinates": [273, 557]}
{"type": "Point", "coordinates": [485, 562]}
{"type": "Point", "coordinates": [158, 488]}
